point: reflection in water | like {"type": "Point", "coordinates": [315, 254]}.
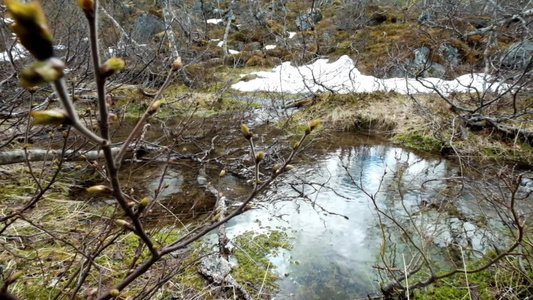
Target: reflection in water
{"type": "Point", "coordinates": [334, 225]}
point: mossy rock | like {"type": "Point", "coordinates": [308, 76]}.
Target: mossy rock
{"type": "Point", "coordinates": [258, 61]}
{"type": "Point", "coordinates": [238, 60]}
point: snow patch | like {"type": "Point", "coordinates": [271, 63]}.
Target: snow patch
{"type": "Point", "coordinates": [270, 47]}
{"type": "Point", "coordinates": [214, 21]}
{"type": "Point", "coordinates": [343, 77]}
{"type": "Point", "coordinates": [233, 51]}
{"type": "Point", "coordinates": [18, 52]}
{"type": "Point", "coordinates": [220, 44]}
{"type": "Point", "coordinates": [291, 34]}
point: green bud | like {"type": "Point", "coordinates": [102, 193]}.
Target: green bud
{"type": "Point", "coordinates": [222, 173]}
{"type": "Point", "coordinates": [155, 106]}
{"type": "Point", "coordinates": [313, 124]}
{"type": "Point", "coordinates": [31, 28]}
{"type": "Point", "coordinates": [177, 64]}
{"type": "Point", "coordinates": [41, 72]}
{"type": "Point", "coordinates": [144, 202]}
{"type": "Point", "coordinates": [50, 117]}
{"type": "Point", "coordinates": [259, 157]}
{"type": "Point", "coordinates": [114, 292]}
{"type": "Point", "coordinates": [275, 168]}
{"type": "Point", "coordinates": [296, 145]}
{"type": "Point", "coordinates": [246, 132]}
{"type": "Point", "coordinates": [112, 66]}
{"type": "Point", "coordinates": [99, 189]}
{"type": "Point", "coordinates": [289, 167]}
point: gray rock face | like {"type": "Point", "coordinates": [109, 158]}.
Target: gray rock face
{"type": "Point", "coordinates": [308, 20]}
{"type": "Point", "coordinates": [450, 55]}
{"type": "Point", "coordinates": [427, 17]}
{"type": "Point", "coordinates": [518, 55]}
{"type": "Point", "coordinates": [420, 66]}
{"type": "Point", "coordinates": [146, 26]}
{"type": "Point", "coordinates": [199, 8]}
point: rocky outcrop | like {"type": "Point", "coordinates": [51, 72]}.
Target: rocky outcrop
{"type": "Point", "coordinates": [308, 20]}
{"type": "Point", "coordinates": [146, 26]}
{"type": "Point", "coordinates": [518, 55]}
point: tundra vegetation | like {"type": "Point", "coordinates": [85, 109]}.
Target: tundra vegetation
{"type": "Point", "coordinates": [121, 134]}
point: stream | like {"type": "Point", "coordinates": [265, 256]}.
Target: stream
{"type": "Point", "coordinates": [334, 226]}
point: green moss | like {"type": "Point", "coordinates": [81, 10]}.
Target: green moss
{"type": "Point", "coordinates": [417, 140]}
{"type": "Point", "coordinates": [252, 253]}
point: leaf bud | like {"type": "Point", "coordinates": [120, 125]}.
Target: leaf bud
{"type": "Point", "coordinates": [260, 156]}
{"type": "Point", "coordinates": [31, 28]}
{"type": "Point", "coordinates": [114, 292]}
{"type": "Point", "coordinates": [144, 202]}
{"type": "Point", "coordinates": [222, 173]}
{"type": "Point", "coordinates": [99, 189]}
{"type": "Point", "coordinates": [41, 72]}
{"type": "Point", "coordinates": [296, 145]}
{"type": "Point", "coordinates": [64, 134]}
{"type": "Point", "coordinates": [112, 118]}
{"type": "Point", "coordinates": [50, 117]}
{"type": "Point", "coordinates": [246, 132]}
{"type": "Point", "coordinates": [275, 168]}
{"type": "Point", "coordinates": [155, 106]}
{"type": "Point", "coordinates": [14, 277]}
{"type": "Point", "coordinates": [289, 167]}
{"type": "Point", "coordinates": [87, 6]}
{"type": "Point", "coordinates": [177, 64]}
{"type": "Point", "coordinates": [313, 124]}
{"type": "Point", "coordinates": [122, 223]}
{"type": "Point", "coordinates": [112, 66]}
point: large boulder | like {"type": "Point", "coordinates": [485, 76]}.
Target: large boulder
{"type": "Point", "coordinates": [146, 26]}
{"type": "Point", "coordinates": [199, 8]}
{"type": "Point", "coordinates": [419, 66]}
{"type": "Point", "coordinates": [308, 20]}
{"type": "Point", "coordinates": [450, 55]}
{"type": "Point", "coordinates": [518, 55]}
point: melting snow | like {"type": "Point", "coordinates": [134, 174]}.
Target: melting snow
{"type": "Point", "coordinates": [17, 53]}
{"type": "Point", "coordinates": [214, 21]}
{"type": "Point", "coordinates": [343, 77]}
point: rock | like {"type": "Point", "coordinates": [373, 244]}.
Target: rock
{"type": "Point", "coordinates": [518, 55]}
{"type": "Point", "coordinates": [215, 268]}
{"type": "Point", "coordinates": [146, 26]}
{"type": "Point", "coordinates": [309, 19]}
{"type": "Point", "coordinates": [422, 64]}
{"type": "Point", "coordinates": [427, 17]}
{"type": "Point", "coordinates": [200, 8]}
{"type": "Point", "coordinates": [201, 180]}
{"type": "Point", "coordinates": [419, 66]}
{"type": "Point", "coordinates": [450, 55]}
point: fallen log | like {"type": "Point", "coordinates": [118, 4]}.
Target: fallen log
{"type": "Point", "coordinates": [19, 156]}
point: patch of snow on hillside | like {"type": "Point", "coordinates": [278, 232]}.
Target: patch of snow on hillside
{"type": "Point", "coordinates": [214, 21]}
{"type": "Point", "coordinates": [343, 77]}
{"type": "Point", "coordinates": [18, 52]}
